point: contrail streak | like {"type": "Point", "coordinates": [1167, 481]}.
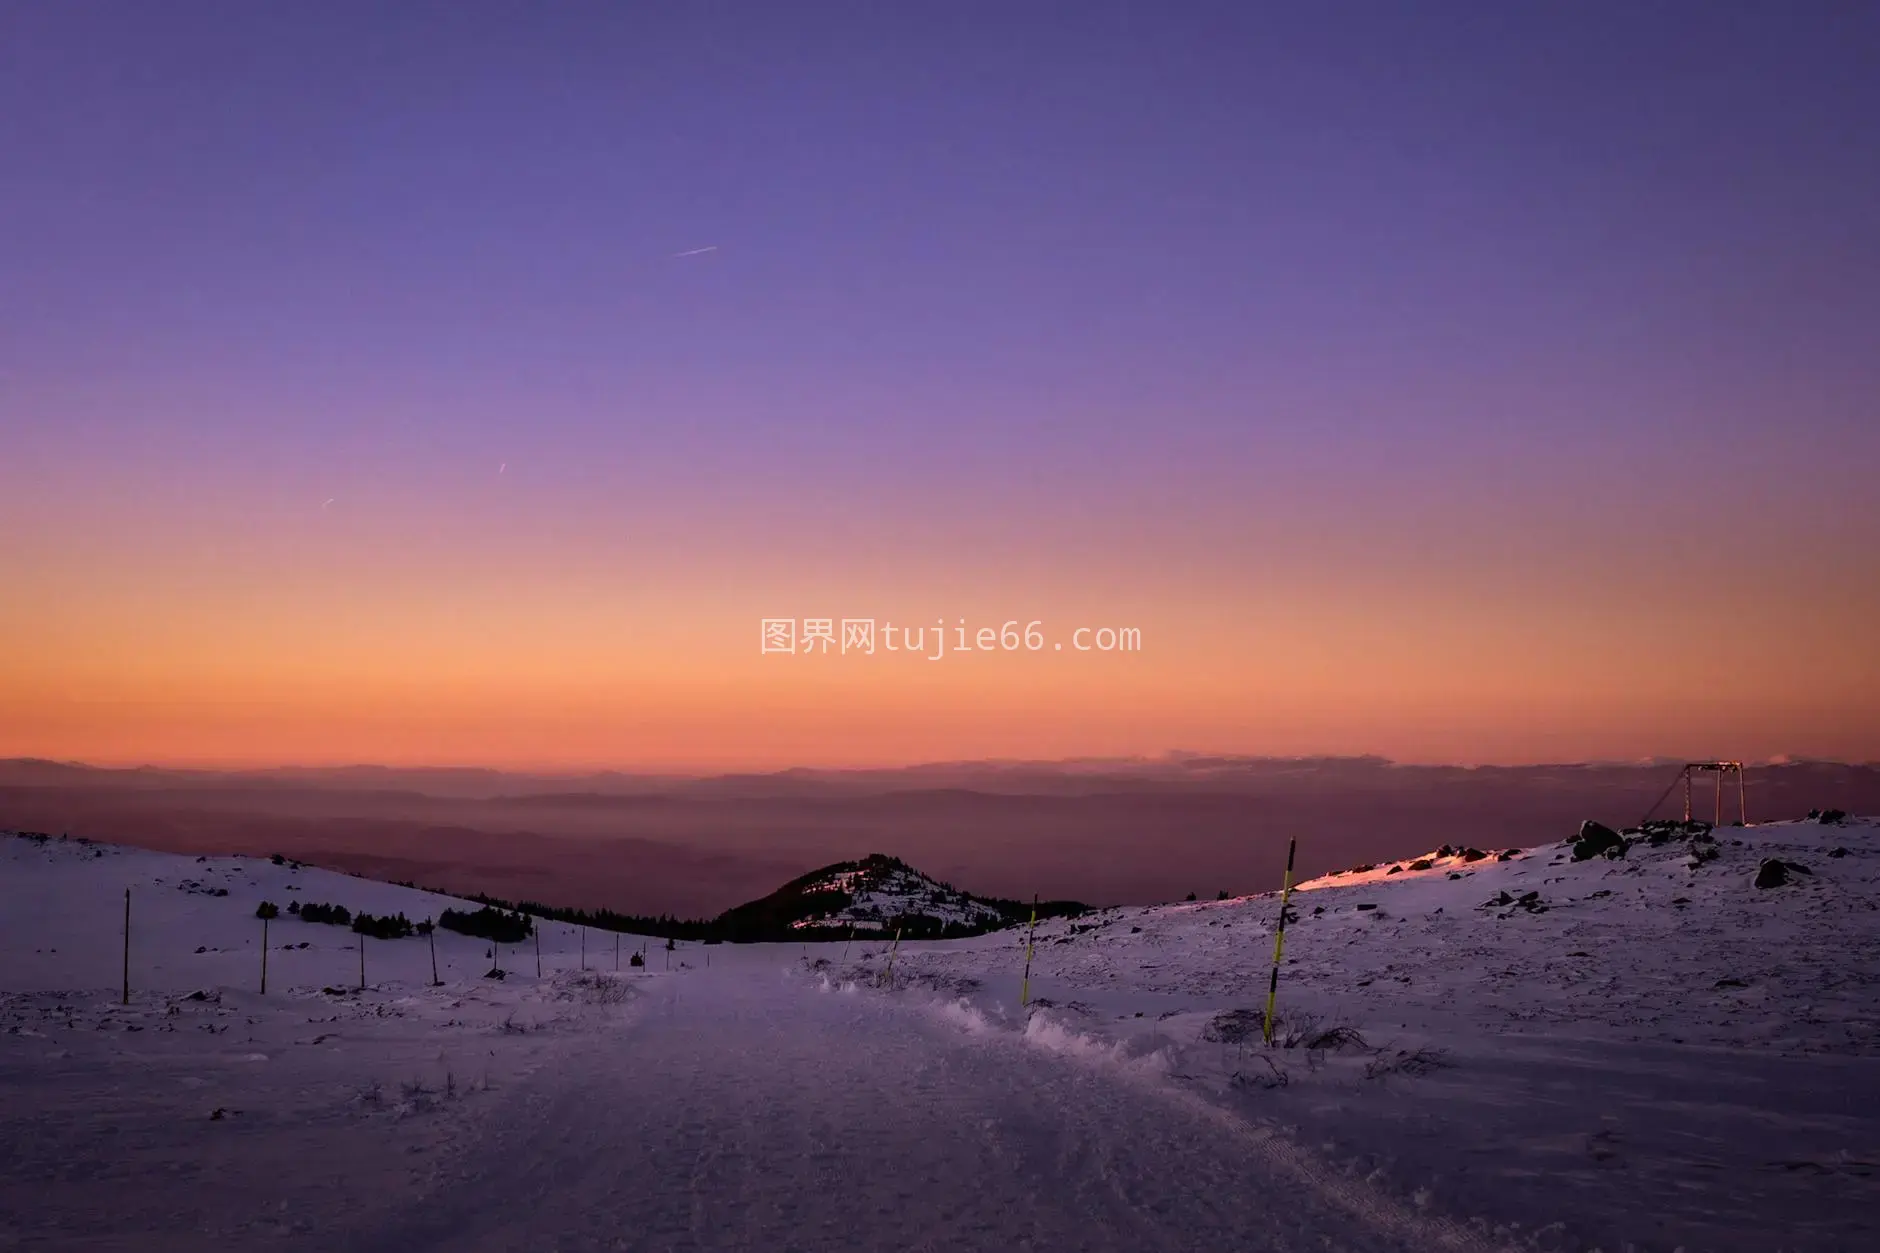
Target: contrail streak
{"type": "Point", "coordinates": [693, 252]}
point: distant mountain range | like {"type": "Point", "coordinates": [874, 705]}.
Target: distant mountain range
{"type": "Point", "coordinates": [1111, 831]}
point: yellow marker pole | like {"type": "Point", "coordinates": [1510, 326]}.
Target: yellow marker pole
{"type": "Point", "coordinates": [887, 975]}
{"type": "Point", "coordinates": [1279, 941]}
{"type": "Point", "coordinates": [1024, 988]}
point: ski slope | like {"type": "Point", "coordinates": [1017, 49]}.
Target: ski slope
{"type": "Point", "coordinates": [1615, 1071]}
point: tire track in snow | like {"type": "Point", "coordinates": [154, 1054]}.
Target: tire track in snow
{"type": "Point", "coordinates": [1375, 1209]}
{"type": "Point", "coordinates": [751, 1112]}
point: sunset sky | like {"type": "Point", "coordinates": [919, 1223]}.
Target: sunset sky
{"type": "Point", "coordinates": [1441, 381]}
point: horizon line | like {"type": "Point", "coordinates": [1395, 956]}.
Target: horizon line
{"type": "Point", "coordinates": [1171, 758]}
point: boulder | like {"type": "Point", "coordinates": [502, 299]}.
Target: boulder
{"type": "Point", "coordinates": [1597, 838]}
{"type": "Point", "coordinates": [1772, 873]}
{"type": "Point", "coordinates": [1473, 854]}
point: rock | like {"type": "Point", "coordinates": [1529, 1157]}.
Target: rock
{"type": "Point", "coordinates": [1772, 873]}
{"type": "Point", "coordinates": [1833, 852]}
{"type": "Point", "coordinates": [1729, 983]}
{"type": "Point", "coordinates": [1422, 863]}
{"type": "Point", "coordinates": [1367, 907]}
{"type": "Point", "coordinates": [1445, 851]}
{"type": "Point", "coordinates": [1597, 838]}
{"type": "Point", "coordinates": [1394, 870]}
{"type": "Point", "coordinates": [1455, 874]}
{"type": "Point", "coordinates": [1498, 900]}
{"type": "Point", "coordinates": [1473, 854]}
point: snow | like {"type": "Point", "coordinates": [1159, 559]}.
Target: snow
{"type": "Point", "coordinates": [1617, 1070]}
{"type": "Point", "coordinates": [881, 893]}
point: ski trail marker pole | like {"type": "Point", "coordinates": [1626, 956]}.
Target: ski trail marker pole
{"type": "Point", "coordinates": [1279, 941]}
{"type": "Point", "coordinates": [431, 935]}
{"type": "Point", "coordinates": [887, 975]}
{"type": "Point", "coordinates": [1024, 989]}
{"type": "Point", "coordinates": [127, 946]}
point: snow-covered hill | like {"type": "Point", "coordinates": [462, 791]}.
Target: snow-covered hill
{"type": "Point", "coordinates": [876, 895]}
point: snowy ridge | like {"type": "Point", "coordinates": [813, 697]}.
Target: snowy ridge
{"type": "Point", "coordinates": [1580, 1043]}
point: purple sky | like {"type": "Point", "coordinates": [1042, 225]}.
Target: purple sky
{"type": "Point", "coordinates": [1107, 285]}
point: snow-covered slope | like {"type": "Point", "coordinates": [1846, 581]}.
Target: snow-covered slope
{"type": "Point", "coordinates": [1518, 1050]}
{"type": "Point", "coordinates": [1648, 1048]}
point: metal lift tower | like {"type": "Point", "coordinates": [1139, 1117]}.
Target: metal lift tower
{"type": "Point", "coordinates": [1722, 769]}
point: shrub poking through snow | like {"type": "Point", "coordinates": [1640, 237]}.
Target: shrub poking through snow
{"type": "Point", "coordinates": [267, 909]}
{"type": "Point", "coordinates": [332, 915]}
